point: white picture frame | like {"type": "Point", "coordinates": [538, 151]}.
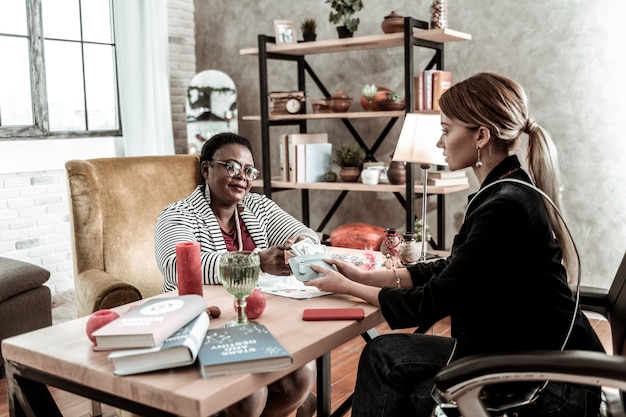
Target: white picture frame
{"type": "Point", "coordinates": [285, 32]}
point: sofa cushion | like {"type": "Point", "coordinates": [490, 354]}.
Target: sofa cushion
{"type": "Point", "coordinates": [17, 277]}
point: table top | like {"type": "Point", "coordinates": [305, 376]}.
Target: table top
{"type": "Point", "coordinates": [65, 351]}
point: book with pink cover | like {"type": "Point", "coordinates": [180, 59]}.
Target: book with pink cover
{"type": "Point", "coordinates": [149, 324]}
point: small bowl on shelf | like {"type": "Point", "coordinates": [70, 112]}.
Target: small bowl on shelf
{"type": "Point", "coordinates": [391, 105]}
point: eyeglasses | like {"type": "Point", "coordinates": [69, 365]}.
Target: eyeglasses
{"type": "Point", "coordinates": [234, 169]}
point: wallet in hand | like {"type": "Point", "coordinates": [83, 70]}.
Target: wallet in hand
{"type": "Point", "coordinates": [301, 266]}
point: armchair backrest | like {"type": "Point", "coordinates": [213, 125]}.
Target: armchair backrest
{"type": "Point", "coordinates": [114, 204]}
{"type": "Point", "coordinates": [617, 309]}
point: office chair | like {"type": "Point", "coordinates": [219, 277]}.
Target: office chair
{"type": "Point", "coordinates": [460, 384]}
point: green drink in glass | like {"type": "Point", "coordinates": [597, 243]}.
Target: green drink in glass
{"type": "Point", "coordinates": [239, 272]}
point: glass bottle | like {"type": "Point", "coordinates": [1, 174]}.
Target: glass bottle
{"type": "Point", "coordinates": [438, 14]}
{"type": "Point", "coordinates": [409, 250]}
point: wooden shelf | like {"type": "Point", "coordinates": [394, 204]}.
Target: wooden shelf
{"type": "Point", "coordinates": [321, 116]}
{"type": "Point", "coordinates": [360, 43]}
{"type": "Point", "coordinates": [357, 186]}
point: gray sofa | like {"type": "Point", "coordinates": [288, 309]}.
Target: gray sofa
{"type": "Point", "coordinates": [25, 303]}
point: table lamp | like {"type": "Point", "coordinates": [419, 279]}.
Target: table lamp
{"type": "Point", "coordinates": [418, 143]}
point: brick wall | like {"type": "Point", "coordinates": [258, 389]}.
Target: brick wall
{"type": "Point", "coordinates": [34, 223]}
{"type": "Point", "coordinates": [182, 64]}
{"type": "Point", "coordinates": [34, 208]}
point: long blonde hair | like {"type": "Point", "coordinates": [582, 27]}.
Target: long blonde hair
{"type": "Point", "coordinates": [501, 105]}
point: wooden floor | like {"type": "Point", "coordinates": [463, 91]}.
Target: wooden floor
{"type": "Point", "coordinates": [344, 360]}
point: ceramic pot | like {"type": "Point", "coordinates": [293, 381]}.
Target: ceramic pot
{"type": "Point", "coordinates": [349, 174]}
{"type": "Point", "coordinates": [340, 102]}
{"type": "Point", "coordinates": [393, 23]}
{"type": "Point", "coordinates": [396, 173]}
{"type": "Point", "coordinates": [343, 32]}
{"type": "Point", "coordinates": [309, 37]}
{"type": "Point", "coordinates": [370, 176]}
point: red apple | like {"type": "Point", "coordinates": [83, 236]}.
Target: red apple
{"type": "Point", "coordinates": [97, 320]}
{"type": "Point", "coordinates": [255, 304]}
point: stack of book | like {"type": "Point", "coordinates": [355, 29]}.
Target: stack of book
{"type": "Point", "coordinates": [447, 178]}
{"type": "Point", "coordinates": [429, 86]}
{"type": "Point", "coordinates": [164, 333]}
{"type": "Point", "coordinates": [304, 157]}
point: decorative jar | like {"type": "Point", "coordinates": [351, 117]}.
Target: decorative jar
{"type": "Point", "coordinates": [340, 102]}
{"type": "Point", "coordinates": [438, 14]}
{"type": "Point", "coordinates": [391, 242]}
{"type": "Point", "coordinates": [396, 173]}
{"type": "Point", "coordinates": [393, 23]}
{"type": "Point", "coordinates": [409, 250]}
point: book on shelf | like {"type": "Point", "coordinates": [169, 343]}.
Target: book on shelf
{"type": "Point", "coordinates": [150, 323]}
{"type": "Point", "coordinates": [180, 349]}
{"type": "Point", "coordinates": [428, 88]}
{"type": "Point", "coordinates": [447, 174]}
{"type": "Point", "coordinates": [442, 80]}
{"type": "Point", "coordinates": [295, 139]}
{"type": "Point", "coordinates": [447, 181]}
{"type": "Point", "coordinates": [313, 161]}
{"type": "Point", "coordinates": [284, 158]}
{"type": "Point", "coordinates": [241, 349]}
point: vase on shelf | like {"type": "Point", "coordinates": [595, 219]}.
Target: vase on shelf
{"type": "Point", "coordinates": [349, 174]}
{"type": "Point", "coordinates": [396, 174]}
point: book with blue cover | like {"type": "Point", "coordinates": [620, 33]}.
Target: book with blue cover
{"type": "Point", "coordinates": [249, 348]}
{"type": "Point", "coordinates": [180, 349]}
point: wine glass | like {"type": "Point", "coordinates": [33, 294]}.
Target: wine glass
{"type": "Point", "coordinates": [239, 272]}
{"type": "Point", "coordinates": [369, 92]}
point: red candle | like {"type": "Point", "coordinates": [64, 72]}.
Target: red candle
{"type": "Point", "coordinates": [188, 268]}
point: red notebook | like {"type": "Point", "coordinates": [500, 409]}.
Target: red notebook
{"type": "Point", "coordinates": [316, 314]}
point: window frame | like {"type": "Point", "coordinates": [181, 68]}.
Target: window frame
{"type": "Point", "coordinates": [40, 128]}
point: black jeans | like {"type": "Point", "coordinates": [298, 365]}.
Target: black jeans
{"type": "Point", "coordinates": [396, 378]}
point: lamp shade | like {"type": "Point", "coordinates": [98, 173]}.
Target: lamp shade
{"type": "Point", "coordinates": [418, 140]}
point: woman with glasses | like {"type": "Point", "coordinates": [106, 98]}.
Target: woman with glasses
{"type": "Point", "coordinates": [223, 215]}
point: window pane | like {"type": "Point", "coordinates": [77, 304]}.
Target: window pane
{"type": "Point", "coordinates": [15, 94]}
{"type": "Point", "coordinates": [64, 74]}
{"type": "Point", "coordinates": [61, 19]}
{"type": "Point", "coordinates": [100, 86]}
{"type": "Point", "coordinates": [96, 25]}
{"type": "Point", "coordinates": [13, 17]}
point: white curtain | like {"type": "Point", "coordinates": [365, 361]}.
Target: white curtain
{"type": "Point", "coordinates": [141, 37]}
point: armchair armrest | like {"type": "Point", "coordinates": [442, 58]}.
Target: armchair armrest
{"type": "Point", "coordinates": [97, 290]}
{"type": "Point", "coordinates": [462, 380]}
{"type": "Point", "coordinates": [594, 299]}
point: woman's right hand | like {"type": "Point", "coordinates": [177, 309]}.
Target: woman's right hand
{"type": "Point", "coordinates": [273, 261]}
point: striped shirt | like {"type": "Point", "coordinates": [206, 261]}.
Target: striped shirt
{"type": "Point", "coordinates": [192, 220]}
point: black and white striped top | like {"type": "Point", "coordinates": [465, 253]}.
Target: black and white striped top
{"type": "Point", "coordinates": [192, 220]}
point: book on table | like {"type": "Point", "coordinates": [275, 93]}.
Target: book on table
{"type": "Point", "coordinates": [150, 323]}
{"type": "Point", "coordinates": [447, 181]}
{"type": "Point", "coordinates": [180, 349]}
{"type": "Point", "coordinates": [447, 174]}
{"type": "Point", "coordinates": [249, 348]}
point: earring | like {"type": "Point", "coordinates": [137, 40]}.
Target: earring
{"type": "Point", "coordinates": [479, 163]}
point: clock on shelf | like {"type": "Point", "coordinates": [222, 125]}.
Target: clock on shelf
{"type": "Point", "coordinates": [286, 102]}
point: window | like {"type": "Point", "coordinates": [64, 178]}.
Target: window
{"type": "Point", "coordinates": [61, 78]}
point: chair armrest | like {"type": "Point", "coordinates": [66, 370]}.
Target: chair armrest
{"type": "Point", "coordinates": [97, 290]}
{"type": "Point", "coordinates": [17, 277]}
{"type": "Point", "coordinates": [594, 299]}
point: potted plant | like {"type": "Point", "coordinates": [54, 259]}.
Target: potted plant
{"type": "Point", "coordinates": [308, 28]}
{"type": "Point", "coordinates": [342, 14]}
{"type": "Point", "coordinates": [349, 158]}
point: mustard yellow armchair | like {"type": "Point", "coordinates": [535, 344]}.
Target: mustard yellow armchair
{"type": "Point", "coordinates": [114, 204]}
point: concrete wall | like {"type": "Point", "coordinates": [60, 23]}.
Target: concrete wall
{"type": "Point", "coordinates": [567, 53]}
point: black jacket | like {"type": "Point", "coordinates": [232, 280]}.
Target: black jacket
{"type": "Point", "coordinates": [503, 285]}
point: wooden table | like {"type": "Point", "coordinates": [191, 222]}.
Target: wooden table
{"type": "Point", "coordinates": [62, 356]}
